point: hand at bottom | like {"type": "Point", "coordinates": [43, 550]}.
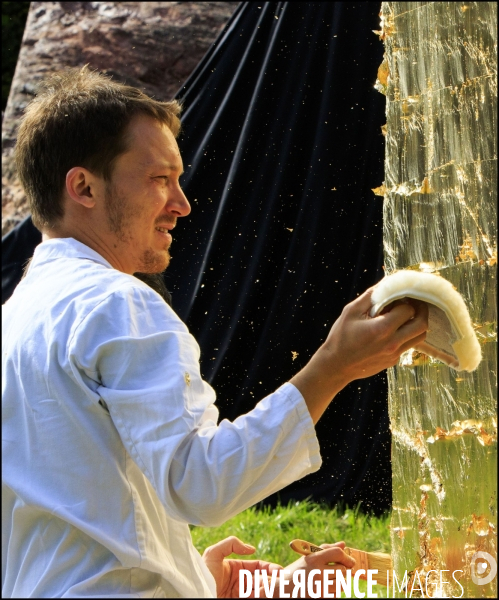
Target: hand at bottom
{"type": "Point", "coordinates": [332, 558]}
{"type": "Point", "coordinates": [226, 571]}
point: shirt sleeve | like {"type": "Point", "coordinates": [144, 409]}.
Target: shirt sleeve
{"type": "Point", "coordinates": [145, 365]}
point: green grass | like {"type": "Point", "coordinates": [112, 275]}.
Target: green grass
{"type": "Point", "coordinates": [271, 530]}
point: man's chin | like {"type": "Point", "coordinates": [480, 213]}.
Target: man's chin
{"type": "Point", "coordinates": [154, 262]}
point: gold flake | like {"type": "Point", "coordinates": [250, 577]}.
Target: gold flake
{"type": "Point", "coordinates": [387, 26]}
{"type": "Point", "coordinates": [460, 428]}
{"type": "Point", "coordinates": [480, 524]}
{"type": "Point", "coordinates": [380, 191]}
{"type": "Point", "coordinates": [425, 188]}
{"type": "Point", "coordinates": [383, 73]}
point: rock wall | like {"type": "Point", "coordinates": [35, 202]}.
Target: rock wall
{"type": "Point", "coordinates": [152, 45]}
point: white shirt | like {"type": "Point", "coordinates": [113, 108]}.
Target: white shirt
{"type": "Point", "coordinates": [110, 438]}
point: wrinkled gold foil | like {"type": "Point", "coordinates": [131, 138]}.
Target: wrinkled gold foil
{"type": "Point", "coordinates": [439, 75]}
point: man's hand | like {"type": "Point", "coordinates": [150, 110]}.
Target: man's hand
{"type": "Point", "coordinates": [359, 346]}
{"type": "Point", "coordinates": [226, 572]}
{"type": "Point", "coordinates": [363, 346]}
{"type": "Point", "coordinates": [333, 553]}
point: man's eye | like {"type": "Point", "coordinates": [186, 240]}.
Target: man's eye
{"type": "Point", "coordinates": [165, 177]}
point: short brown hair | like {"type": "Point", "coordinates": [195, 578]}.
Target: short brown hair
{"type": "Point", "coordinates": [78, 119]}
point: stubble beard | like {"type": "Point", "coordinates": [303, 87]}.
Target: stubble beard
{"type": "Point", "coordinates": [153, 262]}
{"type": "Point", "coordinates": [120, 213]}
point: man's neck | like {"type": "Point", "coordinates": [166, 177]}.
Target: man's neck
{"type": "Point", "coordinates": [92, 241]}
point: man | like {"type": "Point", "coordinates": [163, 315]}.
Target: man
{"type": "Point", "coordinates": [111, 445]}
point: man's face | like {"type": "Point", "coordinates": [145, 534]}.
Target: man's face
{"type": "Point", "coordinates": [144, 198]}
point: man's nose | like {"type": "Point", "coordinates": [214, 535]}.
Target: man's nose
{"type": "Point", "coordinates": [178, 204]}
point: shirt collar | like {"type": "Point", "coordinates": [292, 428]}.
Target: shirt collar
{"type": "Point", "coordinates": [65, 248]}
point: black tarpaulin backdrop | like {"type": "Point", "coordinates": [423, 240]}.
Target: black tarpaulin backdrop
{"type": "Point", "coordinates": [281, 147]}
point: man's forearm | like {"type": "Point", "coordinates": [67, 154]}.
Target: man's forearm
{"type": "Point", "coordinates": [319, 382]}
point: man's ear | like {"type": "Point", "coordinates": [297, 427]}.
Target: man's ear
{"type": "Point", "coordinates": [82, 186]}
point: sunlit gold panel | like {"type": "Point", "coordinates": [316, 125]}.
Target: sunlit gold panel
{"type": "Point", "coordinates": [440, 215]}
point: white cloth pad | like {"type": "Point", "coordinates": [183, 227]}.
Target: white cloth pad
{"type": "Point", "coordinates": [450, 336]}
